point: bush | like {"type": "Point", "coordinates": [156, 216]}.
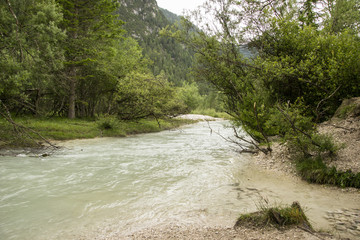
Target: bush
{"type": "Point", "coordinates": [107, 122]}
{"type": "Point", "coordinates": [189, 94]}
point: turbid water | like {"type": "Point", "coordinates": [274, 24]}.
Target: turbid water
{"type": "Point", "coordinates": [99, 187]}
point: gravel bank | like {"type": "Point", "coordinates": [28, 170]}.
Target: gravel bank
{"type": "Point", "coordinates": [224, 233]}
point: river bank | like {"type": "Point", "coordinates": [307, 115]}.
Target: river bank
{"type": "Point", "coordinates": [346, 133]}
{"type": "Point", "coordinates": [61, 129]}
{"type": "Point", "coordinates": [224, 233]}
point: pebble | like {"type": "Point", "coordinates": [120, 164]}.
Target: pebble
{"type": "Point", "coordinates": [340, 228]}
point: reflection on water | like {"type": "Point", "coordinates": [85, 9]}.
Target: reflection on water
{"type": "Point", "coordinates": [112, 185]}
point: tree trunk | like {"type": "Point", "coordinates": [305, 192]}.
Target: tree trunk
{"type": "Point", "coordinates": [72, 96]}
{"type": "Point", "coordinates": [73, 34]}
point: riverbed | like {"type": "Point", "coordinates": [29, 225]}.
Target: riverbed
{"type": "Point", "coordinates": [116, 186]}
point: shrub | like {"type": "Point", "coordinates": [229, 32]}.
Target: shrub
{"type": "Point", "coordinates": [107, 122]}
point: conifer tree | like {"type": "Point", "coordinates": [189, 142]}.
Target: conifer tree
{"type": "Point", "coordinates": [91, 26]}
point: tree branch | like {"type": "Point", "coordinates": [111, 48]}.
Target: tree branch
{"type": "Point", "coordinates": [323, 100]}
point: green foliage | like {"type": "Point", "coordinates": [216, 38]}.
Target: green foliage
{"type": "Point", "coordinates": [213, 100]}
{"type": "Point", "coordinates": [66, 57]}
{"type": "Point", "coordinates": [96, 93]}
{"type": "Point", "coordinates": [143, 95]}
{"type": "Point", "coordinates": [30, 51]}
{"type": "Point", "coordinates": [212, 113]}
{"type": "Point", "coordinates": [189, 93]}
{"type": "Point", "coordinates": [299, 131]}
{"type": "Point", "coordinates": [344, 14]}
{"type": "Point", "coordinates": [91, 27]}
{"type": "Point", "coordinates": [323, 71]}
{"type": "Point", "coordinates": [315, 171]}
{"type": "Point", "coordinates": [107, 122]}
{"type": "Point", "coordinates": [171, 17]}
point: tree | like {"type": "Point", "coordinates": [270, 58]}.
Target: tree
{"type": "Point", "coordinates": [343, 14]}
{"type": "Point", "coordinates": [97, 92]}
{"type": "Point", "coordinates": [30, 51]}
{"type": "Point", "coordinates": [91, 26]}
{"type": "Point", "coordinates": [141, 95]}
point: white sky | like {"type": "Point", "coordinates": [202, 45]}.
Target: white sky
{"type": "Point", "coordinates": [177, 6]}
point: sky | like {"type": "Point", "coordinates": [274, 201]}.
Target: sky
{"type": "Point", "coordinates": [177, 6]}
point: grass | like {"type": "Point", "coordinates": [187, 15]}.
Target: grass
{"type": "Point", "coordinates": [344, 112]}
{"type": "Point", "coordinates": [212, 113]}
{"type": "Point", "coordinates": [316, 171]}
{"type": "Point", "coordinates": [67, 129]}
{"type": "Point", "coordinates": [278, 216]}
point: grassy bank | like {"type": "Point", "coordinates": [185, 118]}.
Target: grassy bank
{"type": "Point", "coordinates": [67, 129]}
{"type": "Point", "coordinates": [212, 113]}
{"type": "Point", "coordinates": [316, 171]}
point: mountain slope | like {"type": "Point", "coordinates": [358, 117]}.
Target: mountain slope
{"type": "Point", "coordinates": [143, 20]}
{"type": "Point", "coordinates": [172, 17]}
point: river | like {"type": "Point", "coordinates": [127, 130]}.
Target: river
{"type": "Point", "coordinates": [109, 185]}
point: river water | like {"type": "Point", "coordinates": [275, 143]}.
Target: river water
{"type": "Point", "coordinates": [106, 186]}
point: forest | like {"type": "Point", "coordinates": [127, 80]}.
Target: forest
{"type": "Point", "coordinates": [76, 60]}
